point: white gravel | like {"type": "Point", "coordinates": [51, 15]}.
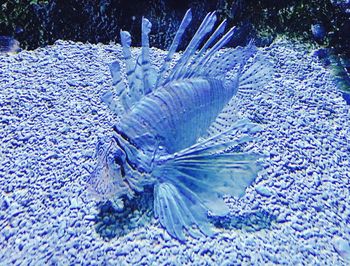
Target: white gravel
{"type": "Point", "coordinates": [51, 117]}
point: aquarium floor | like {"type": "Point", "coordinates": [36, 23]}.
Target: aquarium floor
{"type": "Point", "coordinates": [51, 117]}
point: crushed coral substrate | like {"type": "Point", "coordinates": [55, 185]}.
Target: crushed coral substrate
{"type": "Point", "coordinates": [295, 213]}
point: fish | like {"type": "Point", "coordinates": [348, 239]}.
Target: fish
{"type": "Point", "coordinates": [318, 32]}
{"type": "Point", "coordinates": [177, 129]}
{"type": "Point", "coordinates": [9, 45]}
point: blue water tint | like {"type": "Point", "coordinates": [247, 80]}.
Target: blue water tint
{"type": "Point", "coordinates": [346, 97]}
{"type": "Point", "coordinates": [9, 45]}
{"type": "Point", "coordinates": [318, 31]}
{"type": "Point", "coordinates": [175, 131]}
{"type": "Point", "coordinates": [136, 213]}
{"type": "Point", "coordinates": [295, 212]}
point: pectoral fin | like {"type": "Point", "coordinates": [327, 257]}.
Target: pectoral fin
{"type": "Point", "coordinates": [194, 181]}
{"type": "Point", "coordinates": [180, 210]}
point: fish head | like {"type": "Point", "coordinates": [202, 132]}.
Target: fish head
{"type": "Point", "coordinates": [109, 181]}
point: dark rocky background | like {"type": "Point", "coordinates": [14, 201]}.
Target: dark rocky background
{"type": "Point", "coordinates": [325, 23]}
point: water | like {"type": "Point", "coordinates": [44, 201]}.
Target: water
{"type": "Point", "coordinates": [295, 212]}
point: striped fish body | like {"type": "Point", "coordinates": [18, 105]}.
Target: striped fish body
{"type": "Point", "coordinates": [172, 114]}
{"type": "Point", "coordinates": [177, 129]}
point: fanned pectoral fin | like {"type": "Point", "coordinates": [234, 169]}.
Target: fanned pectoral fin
{"type": "Point", "coordinates": [180, 210]}
{"type": "Point", "coordinates": [196, 179]}
{"type": "Point", "coordinates": [212, 176]}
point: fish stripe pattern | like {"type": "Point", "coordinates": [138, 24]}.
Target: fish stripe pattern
{"type": "Point", "coordinates": [178, 130]}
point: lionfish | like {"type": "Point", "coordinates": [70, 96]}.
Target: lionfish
{"type": "Point", "coordinates": [177, 132]}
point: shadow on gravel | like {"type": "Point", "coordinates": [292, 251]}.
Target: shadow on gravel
{"type": "Point", "coordinates": [249, 222]}
{"type": "Point", "coordinates": [138, 212]}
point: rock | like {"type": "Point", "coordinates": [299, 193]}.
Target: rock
{"type": "Point", "coordinates": [263, 191]}
{"type": "Point", "coordinates": [342, 247]}
{"type": "Point", "coordinates": [50, 136]}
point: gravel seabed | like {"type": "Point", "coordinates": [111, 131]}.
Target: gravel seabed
{"type": "Point", "coordinates": [51, 116]}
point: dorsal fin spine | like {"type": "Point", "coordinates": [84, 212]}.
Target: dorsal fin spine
{"type": "Point", "coordinates": [117, 81]}
{"type": "Point", "coordinates": [146, 29]}
{"type": "Point", "coordinates": [141, 79]}
{"type": "Point", "coordinates": [217, 46]}
{"type": "Point", "coordinates": [184, 24]}
{"type": "Point", "coordinates": [126, 42]}
{"type": "Point", "coordinates": [205, 27]}
{"type": "Point", "coordinates": [126, 96]}
{"type": "Point", "coordinates": [219, 30]}
{"type": "Point", "coordinates": [133, 72]}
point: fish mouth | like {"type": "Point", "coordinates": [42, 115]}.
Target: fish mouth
{"type": "Point", "coordinates": [105, 185]}
{"type": "Point", "coordinates": [108, 181]}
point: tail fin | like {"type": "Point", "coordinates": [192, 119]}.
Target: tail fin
{"type": "Point", "coordinates": [255, 76]}
{"type": "Point", "coordinates": [199, 176]}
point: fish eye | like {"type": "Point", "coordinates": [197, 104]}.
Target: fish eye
{"type": "Point", "coordinates": [122, 171]}
{"type": "Point", "coordinates": [119, 162]}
